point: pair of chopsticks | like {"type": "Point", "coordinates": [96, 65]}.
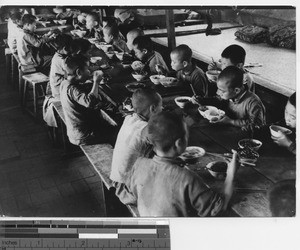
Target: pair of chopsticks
{"type": "Point", "coordinates": [229, 157]}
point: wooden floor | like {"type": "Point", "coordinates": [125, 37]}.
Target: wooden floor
{"type": "Point", "coordinates": [35, 179]}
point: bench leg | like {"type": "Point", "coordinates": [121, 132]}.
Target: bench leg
{"type": "Point", "coordinates": [8, 68]}
{"type": "Point", "coordinates": [24, 95]}
{"type": "Point", "coordinates": [35, 100]}
{"type": "Point", "coordinates": [14, 72]}
{"type": "Point", "coordinates": [21, 86]}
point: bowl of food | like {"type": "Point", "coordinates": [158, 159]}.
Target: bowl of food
{"type": "Point", "coordinates": [169, 81]}
{"type": "Point", "coordinates": [120, 55]}
{"type": "Point", "coordinates": [110, 54]}
{"type": "Point", "coordinates": [277, 130]}
{"type": "Point", "coordinates": [181, 101]}
{"type": "Point", "coordinates": [55, 21]}
{"type": "Point", "coordinates": [95, 59]}
{"type": "Point", "coordinates": [212, 75]}
{"type": "Point", "coordinates": [79, 33]}
{"type": "Point", "coordinates": [156, 79]}
{"type": "Point", "coordinates": [103, 46]}
{"type": "Point", "coordinates": [134, 86]}
{"type": "Point", "coordinates": [61, 28]}
{"type": "Point", "coordinates": [139, 76]}
{"type": "Point", "coordinates": [93, 40]}
{"type": "Point", "coordinates": [250, 143]}
{"type": "Point", "coordinates": [211, 113]}
{"type": "Point", "coordinates": [248, 154]}
{"type": "Point", "coordinates": [192, 154]}
{"type": "Point", "coordinates": [62, 22]}
{"type": "Point", "coordinates": [137, 65]}
{"type": "Point", "coordinates": [217, 169]}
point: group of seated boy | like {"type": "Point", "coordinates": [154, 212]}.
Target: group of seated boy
{"type": "Point", "coordinates": [146, 170]}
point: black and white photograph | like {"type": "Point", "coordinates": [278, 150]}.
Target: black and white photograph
{"type": "Point", "coordinates": [148, 111]}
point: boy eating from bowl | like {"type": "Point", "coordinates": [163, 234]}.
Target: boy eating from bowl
{"type": "Point", "coordinates": [131, 35]}
{"type": "Point", "coordinates": [111, 35]}
{"type": "Point", "coordinates": [81, 107]}
{"type": "Point", "coordinates": [284, 140]}
{"type": "Point", "coordinates": [143, 49]}
{"type": "Point", "coordinates": [187, 72]}
{"type": "Point", "coordinates": [30, 45]}
{"type": "Point", "coordinates": [163, 186]}
{"type": "Point", "coordinates": [234, 55]}
{"type": "Point", "coordinates": [131, 141]}
{"type": "Point", "coordinates": [243, 108]}
{"type": "Point", "coordinates": [94, 30]}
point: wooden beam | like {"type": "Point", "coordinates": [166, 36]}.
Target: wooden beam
{"type": "Point", "coordinates": [170, 29]}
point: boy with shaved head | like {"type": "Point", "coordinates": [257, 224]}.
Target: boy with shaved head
{"type": "Point", "coordinates": [131, 141]}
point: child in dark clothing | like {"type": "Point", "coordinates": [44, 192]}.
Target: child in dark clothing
{"type": "Point", "coordinates": [162, 186]}
{"type": "Point", "coordinates": [81, 107]}
{"type": "Point", "coordinates": [143, 49]}
{"type": "Point", "coordinates": [243, 108]}
{"type": "Point", "coordinates": [94, 30]}
{"type": "Point", "coordinates": [187, 72]}
{"type": "Point", "coordinates": [29, 45]}
{"type": "Point", "coordinates": [234, 55]}
{"type": "Point", "coordinates": [111, 35]}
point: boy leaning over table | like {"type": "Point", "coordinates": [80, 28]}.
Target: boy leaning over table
{"type": "Point", "coordinates": [81, 107]}
{"type": "Point", "coordinates": [242, 108]}
{"type": "Point", "coordinates": [131, 141]}
{"type": "Point", "coordinates": [164, 186]}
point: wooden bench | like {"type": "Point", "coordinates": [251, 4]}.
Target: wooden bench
{"type": "Point", "coordinates": [100, 157]}
{"type": "Point", "coordinates": [36, 80]}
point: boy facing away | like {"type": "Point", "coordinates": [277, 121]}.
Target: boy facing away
{"type": "Point", "coordinates": [163, 186]}
{"type": "Point", "coordinates": [143, 49]}
{"type": "Point", "coordinates": [13, 28]}
{"type": "Point", "coordinates": [234, 55]}
{"type": "Point", "coordinates": [57, 69]}
{"type": "Point", "coordinates": [111, 35]}
{"type": "Point", "coordinates": [243, 108]}
{"type": "Point", "coordinates": [131, 141]}
{"type": "Point", "coordinates": [29, 45]}
{"type": "Point", "coordinates": [83, 121]}
{"type": "Point", "coordinates": [187, 72]}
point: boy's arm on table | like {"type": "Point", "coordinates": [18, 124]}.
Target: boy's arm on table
{"type": "Point", "coordinates": [91, 99]}
{"type": "Point", "coordinates": [228, 184]}
{"type": "Point", "coordinates": [256, 117]}
{"type": "Point", "coordinates": [203, 199]}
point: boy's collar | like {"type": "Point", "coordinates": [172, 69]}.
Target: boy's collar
{"type": "Point", "coordinates": [189, 69]}
{"type": "Point", "coordinates": [238, 98]}
{"type": "Point", "coordinates": [173, 160]}
{"type": "Point", "coordinates": [149, 57]}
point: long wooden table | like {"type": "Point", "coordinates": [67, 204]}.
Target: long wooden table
{"type": "Point", "coordinates": [251, 183]}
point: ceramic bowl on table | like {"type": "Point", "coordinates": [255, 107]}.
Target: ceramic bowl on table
{"type": "Point", "coordinates": [139, 77]}
{"type": "Point", "coordinates": [169, 81]}
{"type": "Point", "coordinates": [95, 59]}
{"type": "Point", "coordinates": [134, 86]}
{"type": "Point", "coordinates": [137, 65]}
{"type": "Point", "coordinates": [62, 22]}
{"type": "Point", "coordinates": [120, 55]}
{"type": "Point", "coordinates": [93, 40]}
{"type": "Point", "coordinates": [218, 169]}
{"type": "Point", "coordinates": [110, 54]}
{"type": "Point", "coordinates": [212, 75]}
{"type": "Point", "coordinates": [103, 46]}
{"type": "Point", "coordinates": [181, 101]}
{"type": "Point", "coordinates": [212, 113]}
{"type": "Point", "coordinates": [156, 79]}
{"type": "Point", "coordinates": [192, 154]}
{"type": "Point", "coordinates": [79, 33]}
{"type": "Point", "coordinates": [275, 130]}
{"type": "Point", "coordinates": [250, 143]}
